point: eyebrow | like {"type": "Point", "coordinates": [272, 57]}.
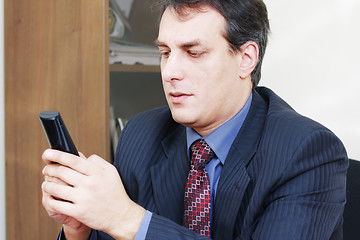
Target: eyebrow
{"type": "Point", "coordinates": [160, 43]}
{"type": "Point", "coordinates": [189, 44]}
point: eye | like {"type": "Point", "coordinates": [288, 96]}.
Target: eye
{"type": "Point", "coordinates": [195, 53]}
{"type": "Point", "coordinates": [165, 53]}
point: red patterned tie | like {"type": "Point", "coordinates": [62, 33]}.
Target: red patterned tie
{"type": "Point", "coordinates": [197, 190]}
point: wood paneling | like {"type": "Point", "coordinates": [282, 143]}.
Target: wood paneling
{"type": "Point", "coordinates": [56, 58]}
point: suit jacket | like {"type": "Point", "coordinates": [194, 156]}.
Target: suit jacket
{"type": "Point", "coordinates": [284, 177]}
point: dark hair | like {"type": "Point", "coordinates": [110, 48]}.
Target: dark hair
{"type": "Point", "coordinates": [247, 20]}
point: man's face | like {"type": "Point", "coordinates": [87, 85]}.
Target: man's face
{"type": "Point", "coordinates": [200, 74]}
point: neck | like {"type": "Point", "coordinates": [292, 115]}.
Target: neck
{"type": "Point", "coordinates": [204, 131]}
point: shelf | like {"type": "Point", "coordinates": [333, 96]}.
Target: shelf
{"type": "Point", "coordinates": [134, 68]}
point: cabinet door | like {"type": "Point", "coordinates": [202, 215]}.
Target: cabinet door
{"type": "Point", "coordinates": [56, 58]}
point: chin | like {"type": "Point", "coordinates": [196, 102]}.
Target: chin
{"type": "Point", "coordinates": [182, 118]}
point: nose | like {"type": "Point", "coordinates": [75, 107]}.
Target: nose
{"type": "Point", "coordinates": [172, 68]}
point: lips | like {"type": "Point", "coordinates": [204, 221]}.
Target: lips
{"type": "Point", "coordinates": [178, 94]}
{"type": "Point", "coordinates": [178, 97]}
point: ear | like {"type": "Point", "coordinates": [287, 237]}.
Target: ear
{"type": "Point", "coordinates": [249, 53]}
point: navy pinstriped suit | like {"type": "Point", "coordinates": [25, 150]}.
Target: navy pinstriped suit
{"type": "Point", "coordinates": [284, 177]}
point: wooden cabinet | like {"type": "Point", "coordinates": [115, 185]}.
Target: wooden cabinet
{"type": "Point", "coordinates": [56, 58]}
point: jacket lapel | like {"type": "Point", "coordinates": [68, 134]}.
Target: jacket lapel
{"type": "Point", "coordinates": [234, 178]}
{"type": "Point", "coordinates": [169, 176]}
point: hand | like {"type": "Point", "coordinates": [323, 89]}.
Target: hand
{"type": "Point", "coordinates": [88, 192]}
{"type": "Point", "coordinates": [73, 226]}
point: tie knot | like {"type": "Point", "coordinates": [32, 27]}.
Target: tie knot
{"type": "Point", "coordinates": [201, 154]}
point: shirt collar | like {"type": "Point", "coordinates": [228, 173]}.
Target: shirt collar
{"type": "Point", "coordinates": [221, 139]}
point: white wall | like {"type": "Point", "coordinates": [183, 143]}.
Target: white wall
{"type": "Point", "coordinates": [313, 62]}
{"type": "Point", "coordinates": [2, 127]}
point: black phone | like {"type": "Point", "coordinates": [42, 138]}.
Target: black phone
{"type": "Point", "coordinates": [56, 132]}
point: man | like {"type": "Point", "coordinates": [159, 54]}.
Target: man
{"type": "Point", "coordinates": [272, 173]}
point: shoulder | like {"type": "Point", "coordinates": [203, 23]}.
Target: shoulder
{"type": "Point", "coordinates": [287, 132]}
{"type": "Point", "coordinates": [283, 119]}
{"type": "Point", "coordinates": [292, 144]}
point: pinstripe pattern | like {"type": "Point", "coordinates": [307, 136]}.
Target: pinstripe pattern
{"type": "Point", "coordinates": [284, 177]}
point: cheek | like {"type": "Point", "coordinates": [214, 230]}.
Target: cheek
{"type": "Point", "coordinates": [164, 85]}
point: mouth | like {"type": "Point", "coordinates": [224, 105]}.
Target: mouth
{"type": "Point", "coordinates": [178, 97]}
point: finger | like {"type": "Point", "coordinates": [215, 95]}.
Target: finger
{"type": "Point", "coordinates": [46, 202]}
{"type": "Point", "coordinates": [79, 164]}
{"type": "Point", "coordinates": [58, 191]}
{"type": "Point", "coordinates": [63, 174]}
{"type": "Point", "coordinates": [55, 180]}
{"type": "Point", "coordinates": [45, 156]}
{"type": "Point", "coordinates": [56, 207]}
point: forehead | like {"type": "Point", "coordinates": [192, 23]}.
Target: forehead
{"type": "Point", "coordinates": [186, 23]}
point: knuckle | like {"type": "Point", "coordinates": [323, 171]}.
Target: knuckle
{"type": "Point", "coordinates": [44, 199]}
{"type": "Point", "coordinates": [51, 206]}
{"type": "Point", "coordinates": [113, 169]}
{"type": "Point", "coordinates": [44, 170]}
{"type": "Point", "coordinates": [45, 203]}
{"type": "Point", "coordinates": [49, 171]}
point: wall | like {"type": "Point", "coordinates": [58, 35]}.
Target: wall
{"type": "Point", "coordinates": [2, 127]}
{"type": "Point", "coordinates": [312, 62]}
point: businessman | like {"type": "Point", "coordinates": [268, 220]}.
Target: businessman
{"type": "Point", "coordinates": [224, 160]}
